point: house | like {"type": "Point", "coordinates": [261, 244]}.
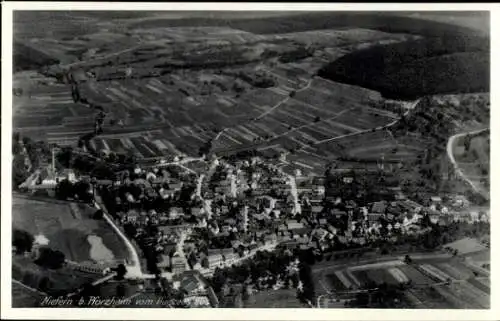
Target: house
{"type": "Point", "coordinates": [227, 251]}
{"type": "Point", "coordinates": [282, 228]}
{"type": "Point", "coordinates": [294, 225]}
{"type": "Point", "coordinates": [215, 260]}
{"type": "Point", "coordinates": [197, 211]}
{"type": "Point", "coordinates": [374, 217]}
{"type": "Point", "coordinates": [230, 221]}
{"type": "Point", "coordinates": [435, 200]}
{"type": "Point", "coordinates": [214, 301]}
{"type": "Point", "coordinates": [166, 193]}
{"type": "Point", "coordinates": [300, 232]}
{"type": "Point", "coordinates": [270, 238]}
{"type": "Point", "coordinates": [323, 221]}
{"type": "Point", "coordinates": [337, 213]}
{"type": "Point", "coordinates": [132, 216]}
{"type": "Point", "coordinates": [230, 258]}
{"type": "Point", "coordinates": [378, 207]}
{"type": "Point", "coordinates": [175, 212]}
{"type": "Point", "coordinates": [292, 244]}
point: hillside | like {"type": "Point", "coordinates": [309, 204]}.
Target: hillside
{"type": "Point", "coordinates": [417, 68]}
{"type": "Point", "coordinates": [313, 21]}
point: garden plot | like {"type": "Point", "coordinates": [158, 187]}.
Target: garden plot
{"type": "Point", "coordinates": [434, 272]}
{"type": "Point", "coordinates": [415, 276]}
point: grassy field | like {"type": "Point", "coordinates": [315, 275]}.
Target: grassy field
{"type": "Point", "coordinates": [66, 226]}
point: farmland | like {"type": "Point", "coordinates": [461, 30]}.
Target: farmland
{"type": "Point", "coordinates": [427, 278]}
{"type": "Point", "coordinates": [167, 107]}
{"type": "Point", "coordinates": [67, 227]}
{"type": "Point", "coordinates": [171, 86]}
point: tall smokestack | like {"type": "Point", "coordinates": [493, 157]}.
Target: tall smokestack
{"type": "Point", "coordinates": [53, 160]}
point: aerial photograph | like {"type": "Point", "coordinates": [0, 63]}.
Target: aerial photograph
{"type": "Point", "coordinates": [251, 159]}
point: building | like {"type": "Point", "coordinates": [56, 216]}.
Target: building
{"type": "Point", "coordinates": [215, 260]}
{"type": "Point", "coordinates": [178, 264]}
{"type": "Point", "coordinates": [435, 200]}
{"type": "Point", "coordinates": [230, 258]}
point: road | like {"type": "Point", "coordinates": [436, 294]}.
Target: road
{"type": "Point", "coordinates": [458, 170]}
{"type": "Point", "coordinates": [181, 164]}
{"type": "Point", "coordinates": [134, 266]}
{"type": "Point", "coordinates": [29, 288]}
{"type": "Point", "coordinates": [199, 183]}
{"type": "Point", "coordinates": [294, 192]}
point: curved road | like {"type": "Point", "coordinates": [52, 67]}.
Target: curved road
{"type": "Point", "coordinates": [449, 151]}
{"type": "Point", "coordinates": [134, 267]}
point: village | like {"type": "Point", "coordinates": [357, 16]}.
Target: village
{"type": "Point", "coordinates": [239, 163]}
{"type": "Point", "coordinates": [195, 217]}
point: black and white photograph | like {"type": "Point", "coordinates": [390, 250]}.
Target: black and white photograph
{"type": "Point", "coordinates": [249, 159]}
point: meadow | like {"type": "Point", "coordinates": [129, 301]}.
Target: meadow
{"type": "Point", "coordinates": [66, 226]}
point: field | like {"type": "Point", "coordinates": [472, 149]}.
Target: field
{"type": "Point", "coordinates": [238, 83]}
{"type": "Point", "coordinates": [162, 110]}
{"type": "Point", "coordinates": [428, 277]}
{"type": "Point", "coordinates": [67, 227]}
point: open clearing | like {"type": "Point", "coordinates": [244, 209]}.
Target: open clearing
{"type": "Point", "coordinates": [66, 231]}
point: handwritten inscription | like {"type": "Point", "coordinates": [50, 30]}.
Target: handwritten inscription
{"type": "Point", "coordinates": [95, 301]}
